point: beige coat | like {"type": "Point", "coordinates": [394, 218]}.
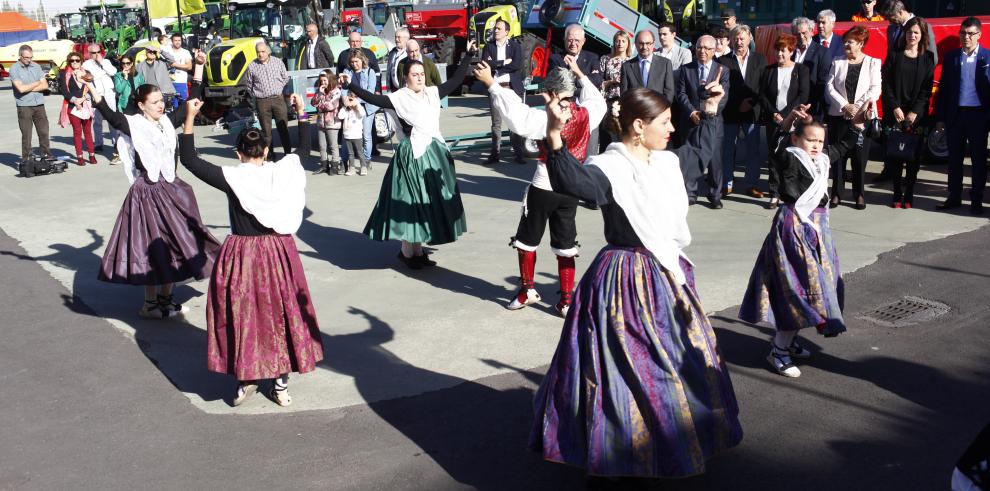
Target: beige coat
{"type": "Point", "coordinates": [867, 88]}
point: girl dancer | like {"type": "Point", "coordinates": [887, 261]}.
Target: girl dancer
{"type": "Point", "coordinates": [796, 282]}
{"type": "Point", "coordinates": [260, 318]}
{"type": "Point", "coordinates": [637, 386]}
{"type": "Point", "coordinates": [159, 237]}
{"type": "Point", "coordinates": [419, 200]}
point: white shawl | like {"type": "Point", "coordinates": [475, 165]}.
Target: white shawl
{"type": "Point", "coordinates": [809, 200]}
{"type": "Point", "coordinates": [154, 142]}
{"type": "Point", "coordinates": [653, 199]}
{"type": "Point", "coordinates": [274, 192]}
{"type": "Point", "coordinates": [422, 112]}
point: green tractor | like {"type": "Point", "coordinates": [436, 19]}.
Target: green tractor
{"type": "Point", "coordinates": [76, 26]}
{"type": "Point", "coordinates": [215, 17]}
{"type": "Point", "coordinates": [116, 27]}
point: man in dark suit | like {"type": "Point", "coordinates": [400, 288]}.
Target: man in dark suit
{"type": "Point", "coordinates": [505, 57]}
{"type": "Point", "coordinates": [648, 69]}
{"type": "Point", "coordinates": [704, 128]}
{"type": "Point", "coordinates": [961, 111]}
{"type": "Point", "coordinates": [394, 56]}
{"type": "Point", "coordinates": [898, 15]}
{"type": "Point", "coordinates": [742, 114]}
{"type": "Point", "coordinates": [826, 38]}
{"type": "Point", "coordinates": [813, 56]}
{"type": "Point", "coordinates": [587, 62]}
{"type": "Point", "coordinates": [315, 52]}
{"type": "Point", "coordinates": [344, 60]}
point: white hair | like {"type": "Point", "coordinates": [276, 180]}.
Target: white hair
{"type": "Point", "coordinates": [827, 15]}
{"type": "Point", "coordinates": [740, 28]}
{"type": "Point", "coordinates": [573, 28]}
{"type": "Point", "coordinates": [706, 37]}
{"type": "Point", "coordinates": [403, 30]}
{"type": "Point", "coordinates": [799, 21]}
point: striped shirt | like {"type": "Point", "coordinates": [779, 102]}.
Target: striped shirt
{"type": "Point", "coordinates": [266, 79]}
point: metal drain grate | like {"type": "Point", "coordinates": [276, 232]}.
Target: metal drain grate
{"type": "Point", "coordinates": [906, 311]}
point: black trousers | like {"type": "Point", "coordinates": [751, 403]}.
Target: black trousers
{"type": "Point", "coordinates": [274, 107]}
{"type": "Point", "coordinates": [544, 207]}
{"type": "Point", "coordinates": [860, 154]}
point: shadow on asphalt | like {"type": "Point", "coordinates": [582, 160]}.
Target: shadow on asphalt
{"type": "Point", "coordinates": [477, 434]}
{"type": "Point", "coordinates": [169, 345]}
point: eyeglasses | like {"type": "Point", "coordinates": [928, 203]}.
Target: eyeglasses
{"type": "Point", "coordinates": [969, 34]}
{"type": "Point", "coordinates": [706, 48]}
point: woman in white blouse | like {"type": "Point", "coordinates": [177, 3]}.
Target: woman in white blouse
{"type": "Point", "coordinates": [853, 84]}
{"type": "Point", "coordinates": [783, 87]}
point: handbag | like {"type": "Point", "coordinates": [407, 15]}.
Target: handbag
{"type": "Point", "coordinates": [873, 128]}
{"type": "Point", "coordinates": [902, 146]}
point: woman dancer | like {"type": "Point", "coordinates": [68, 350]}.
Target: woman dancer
{"type": "Point", "coordinates": [637, 386]}
{"type": "Point", "coordinates": [419, 200]}
{"type": "Point", "coordinates": [159, 237]}
{"type": "Point", "coordinates": [796, 282]}
{"type": "Point", "coordinates": [76, 109]}
{"type": "Point", "coordinates": [260, 320]}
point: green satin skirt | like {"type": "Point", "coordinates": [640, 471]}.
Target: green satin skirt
{"type": "Point", "coordinates": [419, 200]}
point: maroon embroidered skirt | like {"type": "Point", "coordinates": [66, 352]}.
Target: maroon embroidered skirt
{"type": "Point", "coordinates": [159, 237]}
{"type": "Point", "coordinates": [260, 319]}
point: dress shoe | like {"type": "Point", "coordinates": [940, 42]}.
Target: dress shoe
{"type": "Point", "coordinates": [692, 200]}
{"type": "Point", "coordinates": [92, 159]}
{"type": "Point", "coordinates": [80, 160]}
{"type": "Point", "coordinates": [716, 204]}
{"type": "Point", "coordinates": [896, 204]}
{"type": "Point", "coordinates": [860, 203]}
{"type": "Point", "coordinates": [907, 205]}
{"type": "Point", "coordinates": [948, 205]}
{"type": "Point", "coordinates": [756, 193]}
{"type": "Point", "coordinates": [976, 208]}
{"type": "Point", "coordinates": [492, 159]}
{"type": "Point", "coordinates": [834, 202]}
{"type": "Point", "coordinates": [774, 203]}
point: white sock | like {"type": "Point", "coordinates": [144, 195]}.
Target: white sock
{"type": "Point", "coordinates": [281, 383]}
{"type": "Point", "coordinates": [783, 339]}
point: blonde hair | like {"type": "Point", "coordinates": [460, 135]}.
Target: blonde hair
{"type": "Point", "coordinates": [629, 43]}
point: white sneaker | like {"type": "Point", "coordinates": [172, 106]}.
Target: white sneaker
{"type": "Point", "coordinates": [526, 296]}
{"type": "Point", "coordinates": [281, 397]}
{"type": "Point", "coordinates": [244, 392]}
{"type": "Point", "coordinates": [783, 365]}
{"type": "Point", "coordinates": [362, 172]}
{"type": "Point", "coordinates": [350, 172]}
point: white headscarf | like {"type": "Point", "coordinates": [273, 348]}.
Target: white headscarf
{"type": "Point", "coordinates": [154, 142]}
{"type": "Point", "coordinates": [818, 168]}
{"type": "Point", "coordinates": [274, 192]}
{"type": "Point", "coordinates": [422, 111]}
{"type": "Point", "coordinates": [654, 200]}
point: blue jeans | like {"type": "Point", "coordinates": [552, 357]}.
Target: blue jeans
{"type": "Point", "coordinates": [743, 141]}
{"type": "Point", "coordinates": [181, 94]}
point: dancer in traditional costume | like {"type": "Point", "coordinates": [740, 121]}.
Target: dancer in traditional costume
{"type": "Point", "coordinates": [540, 203]}
{"type": "Point", "coordinates": [796, 282]}
{"type": "Point", "coordinates": [260, 320]}
{"type": "Point", "coordinates": [419, 201]}
{"type": "Point", "coordinates": [159, 238]}
{"type": "Point", "coordinates": [637, 386]}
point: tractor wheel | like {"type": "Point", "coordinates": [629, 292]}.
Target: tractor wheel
{"type": "Point", "coordinates": [529, 43]}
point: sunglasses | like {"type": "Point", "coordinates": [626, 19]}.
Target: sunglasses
{"type": "Point", "coordinates": [75, 60]}
{"type": "Point", "coordinates": [94, 52]}
{"type": "Point", "coordinates": [126, 63]}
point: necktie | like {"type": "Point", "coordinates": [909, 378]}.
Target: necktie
{"type": "Point", "coordinates": [703, 75]}
{"type": "Point", "coordinates": [825, 43]}
{"type": "Point", "coordinates": [645, 70]}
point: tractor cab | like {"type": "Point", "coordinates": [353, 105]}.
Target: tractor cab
{"type": "Point", "coordinates": [281, 24]}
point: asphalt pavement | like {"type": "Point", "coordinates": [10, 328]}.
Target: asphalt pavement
{"type": "Point", "coordinates": [428, 381]}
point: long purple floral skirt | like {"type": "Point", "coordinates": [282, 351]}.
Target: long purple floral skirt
{"type": "Point", "coordinates": [159, 237]}
{"type": "Point", "coordinates": [637, 386]}
{"type": "Point", "coordinates": [260, 320]}
{"type": "Point", "coordinates": [796, 282]}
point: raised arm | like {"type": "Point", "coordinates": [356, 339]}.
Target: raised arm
{"type": "Point", "coordinates": [116, 119]}
{"type": "Point", "coordinates": [205, 171]}
{"type": "Point", "coordinates": [374, 99]}
{"type": "Point", "coordinates": [457, 79]}
{"type": "Point", "coordinates": [567, 175]}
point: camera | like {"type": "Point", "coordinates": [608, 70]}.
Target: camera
{"type": "Point", "coordinates": [35, 166]}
